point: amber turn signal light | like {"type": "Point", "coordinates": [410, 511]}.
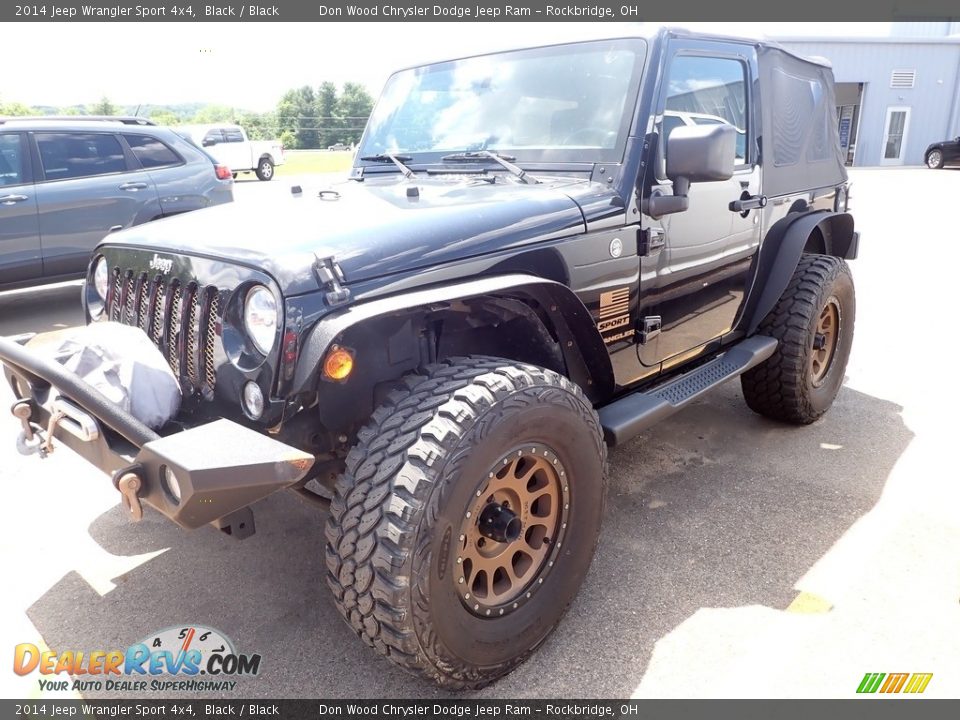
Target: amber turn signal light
{"type": "Point", "coordinates": [339, 364]}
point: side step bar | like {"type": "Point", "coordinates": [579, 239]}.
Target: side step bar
{"type": "Point", "coordinates": [627, 417]}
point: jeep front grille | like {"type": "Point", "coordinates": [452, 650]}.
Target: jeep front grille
{"type": "Point", "coordinates": [172, 353]}
{"type": "Point", "coordinates": [213, 313]}
{"type": "Point", "coordinates": [182, 320]}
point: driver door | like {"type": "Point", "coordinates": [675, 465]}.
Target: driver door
{"type": "Point", "coordinates": [695, 283]}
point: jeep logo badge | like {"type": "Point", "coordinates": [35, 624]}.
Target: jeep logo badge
{"type": "Point", "coordinates": [161, 264]}
{"type": "Point", "coordinates": [616, 248]}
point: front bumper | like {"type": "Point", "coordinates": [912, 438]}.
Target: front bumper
{"type": "Point", "coordinates": [220, 468]}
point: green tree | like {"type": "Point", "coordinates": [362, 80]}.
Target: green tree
{"type": "Point", "coordinates": [163, 116]}
{"type": "Point", "coordinates": [70, 110]}
{"type": "Point", "coordinates": [328, 123]}
{"type": "Point", "coordinates": [353, 108]}
{"type": "Point", "coordinates": [16, 109]}
{"type": "Point", "coordinates": [104, 107]}
{"type": "Point", "coordinates": [259, 126]}
{"type": "Point", "coordinates": [288, 139]}
{"type": "Point", "coordinates": [297, 113]}
{"type": "Point", "coordinates": [214, 114]}
{"type": "Point", "coordinates": [287, 117]}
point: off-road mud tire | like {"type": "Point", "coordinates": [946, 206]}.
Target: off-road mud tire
{"type": "Point", "coordinates": [783, 387]}
{"type": "Point", "coordinates": [393, 529]}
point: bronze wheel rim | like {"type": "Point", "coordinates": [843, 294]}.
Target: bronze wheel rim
{"type": "Point", "coordinates": [825, 339]}
{"type": "Point", "coordinates": [512, 531]}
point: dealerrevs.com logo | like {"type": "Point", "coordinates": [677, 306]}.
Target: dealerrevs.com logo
{"type": "Point", "coordinates": [200, 658]}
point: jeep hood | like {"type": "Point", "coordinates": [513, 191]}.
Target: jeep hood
{"type": "Point", "coordinates": [374, 228]}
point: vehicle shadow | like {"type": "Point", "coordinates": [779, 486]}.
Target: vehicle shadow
{"type": "Point", "coordinates": [716, 507]}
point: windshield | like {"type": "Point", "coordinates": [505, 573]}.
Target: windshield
{"type": "Point", "coordinates": [567, 103]}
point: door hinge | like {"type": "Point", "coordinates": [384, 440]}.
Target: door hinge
{"type": "Point", "coordinates": [650, 328]}
{"type": "Point", "coordinates": [652, 240]}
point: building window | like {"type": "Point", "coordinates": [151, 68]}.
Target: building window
{"type": "Point", "coordinates": [894, 141]}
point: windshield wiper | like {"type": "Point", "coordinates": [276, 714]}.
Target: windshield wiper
{"type": "Point", "coordinates": [503, 160]}
{"type": "Point", "coordinates": [397, 160]}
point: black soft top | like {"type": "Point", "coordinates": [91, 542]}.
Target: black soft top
{"type": "Point", "coordinates": [799, 142]}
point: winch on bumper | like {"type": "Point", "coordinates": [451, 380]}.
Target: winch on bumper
{"type": "Point", "coordinates": [211, 473]}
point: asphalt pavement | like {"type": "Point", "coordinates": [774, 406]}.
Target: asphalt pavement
{"type": "Point", "coordinates": [739, 557]}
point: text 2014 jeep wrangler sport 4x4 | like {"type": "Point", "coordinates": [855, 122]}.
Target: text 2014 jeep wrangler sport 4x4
{"type": "Point", "coordinates": [537, 255]}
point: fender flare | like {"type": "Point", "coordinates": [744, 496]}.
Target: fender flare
{"type": "Point", "coordinates": [780, 254]}
{"type": "Point", "coordinates": [588, 363]}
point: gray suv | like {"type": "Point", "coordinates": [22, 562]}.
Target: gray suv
{"type": "Point", "coordinates": [65, 183]}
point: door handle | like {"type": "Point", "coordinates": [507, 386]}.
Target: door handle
{"type": "Point", "coordinates": [133, 186]}
{"type": "Point", "coordinates": [11, 199]}
{"type": "Point", "coordinates": [751, 202]}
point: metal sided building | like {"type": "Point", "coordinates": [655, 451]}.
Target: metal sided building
{"type": "Point", "coordinates": [895, 95]}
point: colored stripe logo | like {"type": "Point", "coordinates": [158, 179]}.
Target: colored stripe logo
{"type": "Point", "coordinates": [894, 683]}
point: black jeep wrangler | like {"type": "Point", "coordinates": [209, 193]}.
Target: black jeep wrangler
{"type": "Point", "coordinates": [537, 255]}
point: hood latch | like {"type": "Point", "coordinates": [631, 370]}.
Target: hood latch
{"type": "Point", "coordinates": [330, 277]}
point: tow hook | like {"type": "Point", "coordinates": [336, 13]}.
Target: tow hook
{"type": "Point", "coordinates": [128, 483]}
{"type": "Point", "coordinates": [55, 418]}
{"type": "Point", "coordinates": [28, 442]}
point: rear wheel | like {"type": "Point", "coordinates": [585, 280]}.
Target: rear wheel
{"type": "Point", "coordinates": [935, 159]}
{"type": "Point", "coordinates": [265, 169]}
{"type": "Point", "coordinates": [813, 321]}
{"type": "Point", "coordinates": [467, 517]}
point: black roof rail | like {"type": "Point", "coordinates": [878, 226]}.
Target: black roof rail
{"type": "Point", "coordinates": [124, 119]}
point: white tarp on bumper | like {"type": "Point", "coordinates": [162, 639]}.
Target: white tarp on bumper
{"type": "Point", "coordinates": [122, 363]}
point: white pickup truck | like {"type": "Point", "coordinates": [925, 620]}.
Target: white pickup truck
{"type": "Point", "coordinates": [230, 146]}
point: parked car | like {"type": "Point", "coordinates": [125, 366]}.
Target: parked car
{"type": "Point", "coordinates": [521, 271]}
{"type": "Point", "coordinates": [67, 182]}
{"type": "Point", "coordinates": [940, 154]}
{"type": "Point", "coordinates": [230, 145]}
{"type": "Point", "coordinates": [338, 147]}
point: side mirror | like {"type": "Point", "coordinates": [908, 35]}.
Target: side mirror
{"type": "Point", "coordinates": [207, 142]}
{"type": "Point", "coordinates": [695, 153]}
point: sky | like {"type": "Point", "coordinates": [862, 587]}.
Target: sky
{"type": "Point", "coordinates": [250, 65]}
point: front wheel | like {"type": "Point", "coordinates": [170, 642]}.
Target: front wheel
{"type": "Point", "coordinates": [265, 169]}
{"type": "Point", "coordinates": [934, 159]}
{"type": "Point", "coordinates": [813, 320]}
{"type": "Point", "coordinates": [467, 517]}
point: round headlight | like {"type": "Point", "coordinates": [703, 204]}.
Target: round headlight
{"type": "Point", "coordinates": [260, 318]}
{"type": "Point", "coordinates": [101, 278]}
